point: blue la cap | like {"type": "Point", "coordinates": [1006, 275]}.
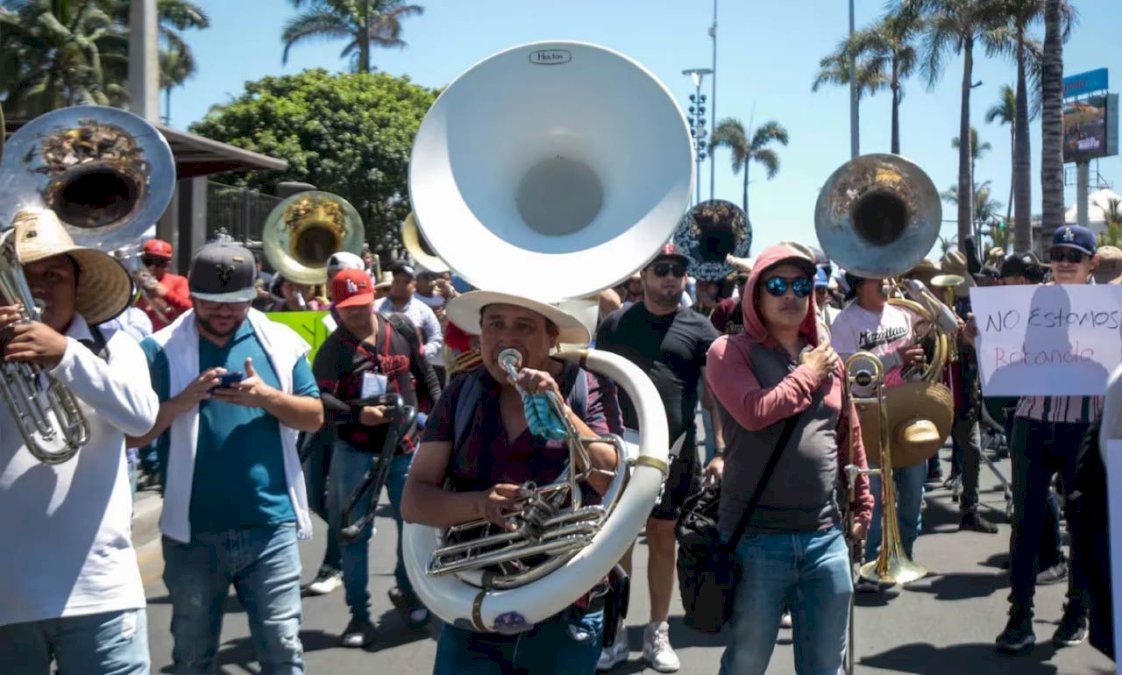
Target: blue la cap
{"type": "Point", "coordinates": [821, 279]}
{"type": "Point", "coordinates": [1076, 237]}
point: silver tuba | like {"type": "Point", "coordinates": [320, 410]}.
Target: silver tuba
{"type": "Point", "coordinates": [302, 232]}
{"type": "Point", "coordinates": [549, 171]}
{"type": "Point", "coordinates": [108, 175]}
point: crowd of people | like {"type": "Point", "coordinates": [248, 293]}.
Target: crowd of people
{"type": "Point", "coordinates": [186, 381]}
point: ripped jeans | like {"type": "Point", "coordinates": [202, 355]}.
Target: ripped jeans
{"type": "Point", "coordinates": [263, 564]}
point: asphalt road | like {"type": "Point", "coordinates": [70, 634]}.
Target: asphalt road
{"type": "Point", "coordinates": [943, 624]}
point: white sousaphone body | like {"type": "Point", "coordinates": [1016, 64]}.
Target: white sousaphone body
{"type": "Point", "coordinates": [552, 171]}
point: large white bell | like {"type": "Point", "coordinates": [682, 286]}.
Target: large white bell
{"type": "Point", "coordinates": [551, 170]}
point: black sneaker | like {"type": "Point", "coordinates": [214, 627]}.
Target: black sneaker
{"type": "Point", "coordinates": [1017, 636]}
{"type": "Point", "coordinates": [358, 634]}
{"type": "Point", "coordinates": [1052, 575]}
{"type": "Point", "coordinates": [972, 521]}
{"type": "Point", "coordinates": [412, 610]}
{"type": "Point", "coordinates": [1072, 629]}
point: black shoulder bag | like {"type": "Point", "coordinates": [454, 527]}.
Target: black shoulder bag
{"type": "Point", "coordinates": [707, 569]}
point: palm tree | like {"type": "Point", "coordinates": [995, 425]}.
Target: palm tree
{"type": "Point", "coordinates": [1022, 14]}
{"type": "Point", "coordinates": [1112, 214]}
{"type": "Point", "coordinates": [176, 67]}
{"type": "Point", "coordinates": [946, 244]}
{"type": "Point", "coordinates": [889, 47]}
{"type": "Point", "coordinates": [1005, 112]}
{"type": "Point", "coordinates": [987, 211]}
{"type": "Point", "coordinates": [955, 27]}
{"type": "Point", "coordinates": [977, 150]}
{"type": "Point", "coordinates": [362, 22]}
{"type": "Point", "coordinates": [730, 133]}
{"type": "Point", "coordinates": [1052, 125]}
{"type": "Point", "coordinates": [834, 69]}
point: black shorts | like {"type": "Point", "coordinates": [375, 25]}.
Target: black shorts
{"type": "Point", "coordinates": [683, 480]}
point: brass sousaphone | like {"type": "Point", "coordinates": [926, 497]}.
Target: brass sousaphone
{"type": "Point", "coordinates": [303, 231]}
{"type": "Point", "coordinates": [877, 216]}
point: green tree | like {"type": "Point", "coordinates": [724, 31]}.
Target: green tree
{"type": "Point", "coordinates": [363, 23]}
{"type": "Point", "coordinates": [987, 211]}
{"type": "Point", "coordinates": [956, 27]}
{"type": "Point", "coordinates": [350, 134]}
{"type": "Point", "coordinates": [1005, 112]}
{"type": "Point", "coordinates": [1112, 214]}
{"type": "Point", "coordinates": [730, 133]}
{"type": "Point", "coordinates": [833, 69]}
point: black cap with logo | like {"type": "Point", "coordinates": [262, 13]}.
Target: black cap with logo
{"type": "Point", "coordinates": [223, 272]}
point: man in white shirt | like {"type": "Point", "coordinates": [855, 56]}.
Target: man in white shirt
{"type": "Point", "coordinates": [70, 587]}
{"type": "Point", "coordinates": [400, 298]}
{"type": "Point", "coordinates": [869, 323]}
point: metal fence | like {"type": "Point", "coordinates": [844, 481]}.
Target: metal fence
{"type": "Point", "coordinates": [238, 211]}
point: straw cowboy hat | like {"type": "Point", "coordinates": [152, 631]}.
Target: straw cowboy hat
{"type": "Point", "coordinates": [466, 310]}
{"type": "Point", "coordinates": [1109, 269]}
{"type": "Point", "coordinates": [920, 415]}
{"type": "Point", "coordinates": [104, 285]}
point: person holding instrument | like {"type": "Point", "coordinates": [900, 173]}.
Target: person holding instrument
{"type": "Point", "coordinates": [366, 357]}
{"type": "Point", "coordinates": [235, 390]}
{"type": "Point", "coordinates": [165, 295]}
{"type": "Point", "coordinates": [480, 446]}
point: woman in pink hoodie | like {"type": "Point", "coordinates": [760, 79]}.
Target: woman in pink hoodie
{"type": "Point", "coordinates": [793, 551]}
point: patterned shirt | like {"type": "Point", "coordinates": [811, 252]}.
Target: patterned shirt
{"type": "Point", "coordinates": [1062, 409]}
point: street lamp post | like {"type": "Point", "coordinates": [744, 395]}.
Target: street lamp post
{"type": "Point", "coordinates": [696, 119]}
{"type": "Point", "coordinates": [713, 100]}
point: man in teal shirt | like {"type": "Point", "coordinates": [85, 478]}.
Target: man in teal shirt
{"type": "Point", "coordinates": [234, 389]}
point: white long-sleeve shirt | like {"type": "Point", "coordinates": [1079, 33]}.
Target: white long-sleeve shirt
{"type": "Point", "coordinates": [425, 320]}
{"type": "Point", "coordinates": [66, 528]}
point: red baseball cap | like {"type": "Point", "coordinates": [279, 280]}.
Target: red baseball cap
{"type": "Point", "coordinates": [350, 288]}
{"type": "Point", "coordinates": [158, 248]}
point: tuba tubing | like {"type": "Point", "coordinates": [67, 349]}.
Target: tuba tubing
{"type": "Point", "coordinates": [519, 609]}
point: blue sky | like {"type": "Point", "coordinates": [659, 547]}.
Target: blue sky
{"type": "Point", "coordinates": [767, 59]}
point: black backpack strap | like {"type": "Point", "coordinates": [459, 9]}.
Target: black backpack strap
{"type": "Point", "coordinates": [97, 344]}
{"type": "Point", "coordinates": [784, 438]}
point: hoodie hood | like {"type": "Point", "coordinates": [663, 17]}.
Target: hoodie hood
{"type": "Point", "coordinates": [754, 327]}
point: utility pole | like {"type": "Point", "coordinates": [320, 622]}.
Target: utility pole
{"type": "Point", "coordinates": [713, 101]}
{"type": "Point", "coordinates": [854, 123]}
{"type": "Point", "coordinates": [144, 60]}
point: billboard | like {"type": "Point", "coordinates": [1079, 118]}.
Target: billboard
{"type": "Point", "coordinates": [1086, 83]}
{"type": "Point", "coordinates": [1090, 128]}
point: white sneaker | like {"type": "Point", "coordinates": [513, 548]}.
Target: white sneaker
{"type": "Point", "coordinates": [616, 654]}
{"type": "Point", "coordinates": [325, 582]}
{"type": "Point", "coordinates": [657, 650]}
{"type": "Point", "coordinates": [785, 620]}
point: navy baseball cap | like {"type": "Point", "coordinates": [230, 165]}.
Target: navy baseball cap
{"type": "Point", "coordinates": [1076, 237]}
{"type": "Point", "coordinates": [672, 253]}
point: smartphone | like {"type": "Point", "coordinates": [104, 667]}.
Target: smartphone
{"type": "Point", "coordinates": [228, 380]}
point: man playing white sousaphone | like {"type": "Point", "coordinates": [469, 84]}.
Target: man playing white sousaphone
{"type": "Point", "coordinates": [471, 469]}
{"type": "Point", "coordinates": [70, 587]}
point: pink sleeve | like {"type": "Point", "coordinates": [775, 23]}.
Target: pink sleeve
{"type": "Point", "coordinates": [729, 374]}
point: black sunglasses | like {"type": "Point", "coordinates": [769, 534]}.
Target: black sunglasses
{"type": "Point", "coordinates": [155, 262]}
{"type": "Point", "coordinates": [777, 286]}
{"type": "Point", "coordinates": [664, 269]}
{"type": "Point", "coordinates": [1068, 255]}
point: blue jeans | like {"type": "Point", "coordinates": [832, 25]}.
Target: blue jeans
{"type": "Point", "coordinates": [567, 643]}
{"type": "Point", "coordinates": [909, 498]}
{"type": "Point", "coordinates": [805, 571]}
{"type": "Point", "coordinates": [263, 564]}
{"type": "Point", "coordinates": [348, 466]}
{"type": "Point", "coordinates": [110, 643]}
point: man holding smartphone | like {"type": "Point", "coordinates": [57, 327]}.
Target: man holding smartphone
{"type": "Point", "coordinates": [235, 389]}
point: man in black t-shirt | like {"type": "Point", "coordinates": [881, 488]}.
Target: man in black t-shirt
{"type": "Point", "coordinates": [366, 357]}
{"type": "Point", "coordinates": [669, 343]}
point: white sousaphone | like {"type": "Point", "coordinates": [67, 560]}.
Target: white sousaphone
{"type": "Point", "coordinates": [550, 171]}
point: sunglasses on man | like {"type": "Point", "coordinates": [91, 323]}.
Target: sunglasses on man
{"type": "Point", "coordinates": [150, 261]}
{"type": "Point", "coordinates": [663, 270]}
{"type": "Point", "coordinates": [777, 286]}
{"type": "Point", "coordinates": [1068, 255]}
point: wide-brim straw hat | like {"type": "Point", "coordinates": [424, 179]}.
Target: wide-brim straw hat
{"type": "Point", "coordinates": [466, 311]}
{"type": "Point", "coordinates": [104, 285]}
{"type": "Point", "coordinates": [1109, 269]}
{"type": "Point", "coordinates": [920, 415]}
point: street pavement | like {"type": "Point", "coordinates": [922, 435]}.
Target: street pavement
{"type": "Point", "coordinates": [944, 624]}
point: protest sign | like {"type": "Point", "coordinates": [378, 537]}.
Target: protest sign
{"type": "Point", "coordinates": [312, 326]}
{"type": "Point", "coordinates": [1112, 459]}
{"type": "Point", "coordinates": [1056, 340]}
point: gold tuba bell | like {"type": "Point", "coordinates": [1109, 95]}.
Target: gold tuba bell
{"type": "Point", "coordinates": [306, 229]}
{"type": "Point", "coordinates": [108, 175]}
{"type": "Point", "coordinates": [877, 216]}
